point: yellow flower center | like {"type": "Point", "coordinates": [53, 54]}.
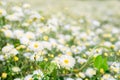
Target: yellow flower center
{"type": "Point", "coordinates": [66, 61]}
{"type": "Point", "coordinates": [35, 45]}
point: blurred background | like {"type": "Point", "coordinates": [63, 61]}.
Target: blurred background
{"type": "Point", "coordinates": [75, 9]}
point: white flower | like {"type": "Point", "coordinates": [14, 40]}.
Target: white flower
{"type": "Point", "coordinates": [17, 79]}
{"type": "Point", "coordinates": [90, 72]}
{"type": "Point", "coordinates": [28, 77]}
{"type": "Point", "coordinates": [69, 79]}
{"type": "Point", "coordinates": [18, 33]}
{"type": "Point", "coordinates": [2, 12]}
{"type": "Point", "coordinates": [66, 61]}
{"type": "Point", "coordinates": [7, 49]}
{"type": "Point", "coordinates": [115, 67]}
{"type": "Point", "coordinates": [17, 9]}
{"type": "Point", "coordinates": [8, 33]}
{"type": "Point", "coordinates": [107, 77]}
{"type": "Point", "coordinates": [7, 26]}
{"type": "Point", "coordinates": [81, 60]}
{"type": "Point", "coordinates": [47, 45]}
{"type": "Point", "coordinates": [35, 46]}
{"type": "Point", "coordinates": [24, 40]}
{"type": "Point", "coordinates": [27, 55]}
{"type": "Point", "coordinates": [16, 69]}
{"type": "Point", "coordinates": [13, 17]}
{"type": "Point", "coordinates": [1, 58]}
{"type": "Point", "coordinates": [117, 45]}
{"type": "Point", "coordinates": [39, 74]}
{"type": "Point", "coordinates": [30, 35]}
{"type": "Point", "coordinates": [108, 44]}
{"type": "Point", "coordinates": [56, 61]}
{"type": "Point", "coordinates": [35, 15]}
{"type": "Point", "coordinates": [79, 79]}
{"type": "Point", "coordinates": [36, 57]}
{"type": "Point", "coordinates": [81, 74]}
{"type": "Point", "coordinates": [13, 52]}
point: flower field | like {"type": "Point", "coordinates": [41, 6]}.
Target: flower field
{"type": "Point", "coordinates": [59, 40]}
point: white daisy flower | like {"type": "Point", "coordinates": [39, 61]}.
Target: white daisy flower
{"type": "Point", "coordinates": [16, 69]}
{"type": "Point", "coordinates": [35, 46]}
{"type": "Point", "coordinates": [66, 61]}
{"type": "Point", "coordinates": [39, 74]}
{"type": "Point", "coordinates": [7, 49]}
{"type": "Point", "coordinates": [28, 77]}
{"type": "Point", "coordinates": [24, 40]}
{"type": "Point", "coordinates": [90, 72]}
{"type": "Point", "coordinates": [2, 12]}
{"type": "Point", "coordinates": [8, 33]}
{"type": "Point", "coordinates": [107, 77]}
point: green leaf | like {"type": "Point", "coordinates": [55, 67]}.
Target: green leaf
{"type": "Point", "coordinates": [51, 68]}
{"type": "Point", "coordinates": [101, 63]}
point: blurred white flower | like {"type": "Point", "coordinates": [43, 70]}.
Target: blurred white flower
{"type": "Point", "coordinates": [24, 40]}
{"type": "Point", "coordinates": [90, 72]}
{"type": "Point", "coordinates": [39, 74]}
{"type": "Point", "coordinates": [107, 77]}
{"type": "Point", "coordinates": [66, 61]}
{"type": "Point", "coordinates": [28, 77]}
{"type": "Point", "coordinates": [8, 33]}
{"type": "Point", "coordinates": [16, 69]}
{"type": "Point", "coordinates": [35, 46]}
{"type": "Point", "coordinates": [2, 12]}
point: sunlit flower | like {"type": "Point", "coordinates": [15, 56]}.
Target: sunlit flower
{"type": "Point", "coordinates": [90, 72]}
{"type": "Point", "coordinates": [16, 69]}
{"type": "Point", "coordinates": [67, 61]}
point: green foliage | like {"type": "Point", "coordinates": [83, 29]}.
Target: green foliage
{"type": "Point", "coordinates": [101, 63]}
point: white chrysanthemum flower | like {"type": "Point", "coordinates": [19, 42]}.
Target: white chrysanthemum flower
{"type": "Point", "coordinates": [81, 60]}
{"type": "Point", "coordinates": [7, 49]}
{"type": "Point", "coordinates": [2, 12]}
{"type": "Point", "coordinates": [12, 17]}
{"type": "Point", "coordinates": [47, 45]}
{"type": "Point", "coordinates": [115, 67]}
{"type": "Point", "coordinates": [18, 33]}
{"type": "Point", "coordinates": [108, 44]}
{"type": "Point", "coordinates": [35, 15]}
{"type": "Point", "coordinates": [35, 46]}
{"type": "Point", "coordinates": [107, 77]}
{"type": "Point", "coordinates": [24, 40]}
{"type": "Point", "coordinates": [81, 74]}
{"type": "Point", "coordinates": [17, 79]}
{"type": "Point", "coordinates": [28, 77]}
{"type": "Point", "coordinates": [39, 74]}
{"type": "Point", "coordinates": [16, 69]}
{"type": "Point", "coordinates": [8, 33]}
{"type": "Point", "coordinates": [56, 61]}
{"type": "Point", "coordinates": [66, 61]}
{"type": "Point", "coordinates": [90, 72]}
{"type": "Point", "coordinates": [68, 79]}
{"type": "Point", "coordinates": [30, 35]}
{"type": "Point", "coordinates": [1, 58]}
{"type": "Point", "coordinates": [7, 26]}
{"type": "Point", "coordinates": [117, 45]}
{"type": "Point", "coordinates": [13, 52]}
{"type": "Point", "coordinates": [78, 79]}
{"type": "Point", "coordinates": [27, 55]}
{"type": "Point", "coordinates": [17, 9]}
{"type": "Point", "coordinates": [53, 21]}
{"type": "Point", "coordinates": [36, 57]}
